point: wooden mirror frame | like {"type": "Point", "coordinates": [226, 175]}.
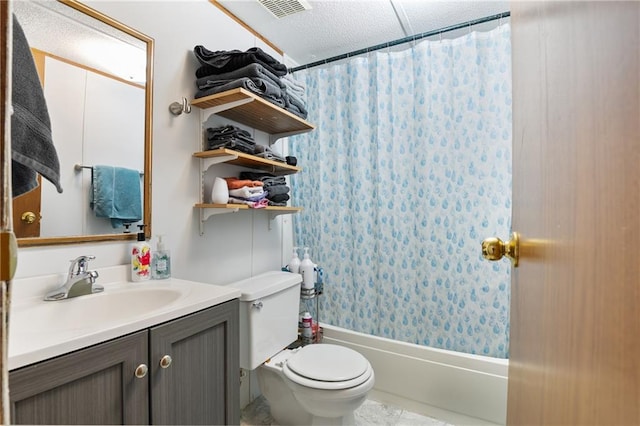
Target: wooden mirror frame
{"type": "Point", "coordinates": [43, 241]}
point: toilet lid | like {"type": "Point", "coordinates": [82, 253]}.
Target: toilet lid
{"type": "Point", "coordinates": [328, 363]}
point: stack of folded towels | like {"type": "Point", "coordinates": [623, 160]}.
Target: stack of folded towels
{"type": "Point", "coordinates": [235, 138]}
{"type": "Point", "coordinates": [253, 70]}
{"type": "Point", "coordinates": [247, 191]}
{"type": "Point", "coordinates": [275, 186]}
{"type": "Point", "coordinates": [231, 137]}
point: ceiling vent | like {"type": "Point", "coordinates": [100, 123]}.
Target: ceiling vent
{"type": "Point", "coordinates": [282, 8]}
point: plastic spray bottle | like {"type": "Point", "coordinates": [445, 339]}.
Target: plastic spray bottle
{"type": "Point", "coordinates": [140, 258]}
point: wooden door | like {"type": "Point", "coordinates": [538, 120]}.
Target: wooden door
{"type": "Point", "coordinates": [201, 384]}
{"type": "Point", "coordinates": [95, 385]}
{"type": "Point", "coordinates": [8, 247]}
{"type": "Point", "coordinates": [26, 207]}
{"type": "Point", "coordinates": [575, 310]}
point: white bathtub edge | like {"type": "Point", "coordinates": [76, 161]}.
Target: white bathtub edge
{"type": "Point", "coordinates": [460, 389]}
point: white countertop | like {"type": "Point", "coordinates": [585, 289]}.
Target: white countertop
{"type": "Point", "coordinates": [41, 330]}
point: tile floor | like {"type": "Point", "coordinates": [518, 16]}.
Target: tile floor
{"type": "Point", "coordinates": [370, 413]}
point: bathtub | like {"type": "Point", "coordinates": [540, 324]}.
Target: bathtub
{"type": "Point", "coordinates": [451, 386]}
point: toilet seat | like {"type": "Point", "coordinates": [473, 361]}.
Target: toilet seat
{"type": "Point", "coordinates": [327, 366]}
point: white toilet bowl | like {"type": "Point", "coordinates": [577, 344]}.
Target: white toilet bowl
{"type": "Point", "coordinates": [320, 384]}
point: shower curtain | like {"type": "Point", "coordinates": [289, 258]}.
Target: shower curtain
{"type": "Point", "coordinates": [408, 170]}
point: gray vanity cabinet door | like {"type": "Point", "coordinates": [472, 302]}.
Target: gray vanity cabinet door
{"type": "Point", "coordinates": [95, 385]}
{"type": "Point", "coordinates": [200, 384]}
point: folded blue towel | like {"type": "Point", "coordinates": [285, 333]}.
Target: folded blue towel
{"type": "Point", "coordinates": [116, 194]}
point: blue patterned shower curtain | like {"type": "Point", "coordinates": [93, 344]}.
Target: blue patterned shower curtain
{"type": "Point", "coordinates": [408, 171]}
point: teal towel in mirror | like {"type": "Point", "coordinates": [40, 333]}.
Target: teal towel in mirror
{"type": "Point", "coordinates": [116, 194]}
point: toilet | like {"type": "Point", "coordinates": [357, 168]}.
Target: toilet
{"type": "Point", "coordinates": [318, 384]}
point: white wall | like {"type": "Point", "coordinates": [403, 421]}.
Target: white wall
{"type": "Point", "coordinates": [234, 246]}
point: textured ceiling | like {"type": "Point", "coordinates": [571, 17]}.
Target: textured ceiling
{"type": "Point", "coordinates": [60, 30]}
{"type": "Point", "coordinates": [335, 27]}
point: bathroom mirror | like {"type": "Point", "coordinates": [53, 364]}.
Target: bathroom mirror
{"type": "Point", "coordinates": [97, 75]}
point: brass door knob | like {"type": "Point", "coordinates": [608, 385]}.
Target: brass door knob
{"type": "Point", "coordinates": [494, 249]}
{"type": "Point", "coordinates": [165, 361]}
{"type": "Point", "coordinates": [141, 371]}
{"type": "Point", "coordinates": [28, 217]}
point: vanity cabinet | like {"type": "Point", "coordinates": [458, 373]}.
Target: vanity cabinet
{"type": "Point", "coordinates": [202, 383]}
{"type": "Point", "coordinates": [247, 108]}
{"type": "Point", "coordinates": [95, 385]}
{"type": "Point", "coordinates": [192, 378]}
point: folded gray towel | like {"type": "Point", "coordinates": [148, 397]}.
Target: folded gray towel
{"type": "Point", "coordinates": [254, 85]}
{"type": "Point", "coordinates": [294, 86]}
{"type": "Point", "coordinates": [32, 149]}
{"type": "Point", "coordinates": [251, 70]}
{"type": "Point", "coordinates": [228, 60]}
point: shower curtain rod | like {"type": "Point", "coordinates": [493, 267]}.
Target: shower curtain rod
{"type": "Point", "coordinates": [402, 40]}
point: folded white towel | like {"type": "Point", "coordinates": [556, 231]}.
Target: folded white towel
{"type": "Point", "coordinates": [246, 191]}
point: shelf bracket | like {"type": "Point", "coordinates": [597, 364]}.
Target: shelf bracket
{"type": "Point", "coordinates": [208, 162]}
{"type": "Point", "coordinates": [273, 138]}
{"type": "Point", "coordinates": [275, 213]}
{"type": "Point", "coordinates": [206, 213]}
{"type": "Point", "coordinates": [228, 105]}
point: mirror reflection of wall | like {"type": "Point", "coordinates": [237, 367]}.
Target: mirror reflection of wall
{"type": "Point", "coordinates": [112, 121]}
{"type": "Point", "coordinates": [94, 79]}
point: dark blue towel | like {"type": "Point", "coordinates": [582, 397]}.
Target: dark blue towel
{"type": "Point", "coordinates": [116, 194]}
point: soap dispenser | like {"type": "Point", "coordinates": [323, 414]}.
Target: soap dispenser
{"type": "Point", "coordinates": [307, 270]}
{"type": "Point", "coordinates": [140, 258]}
{"type": "Point", "coordinates": [161, 261]}
{"type": "Point", "coordinates": [294, 264]}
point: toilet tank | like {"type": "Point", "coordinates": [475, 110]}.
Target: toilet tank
{"type": "Point", "coordinates": [269, 306]}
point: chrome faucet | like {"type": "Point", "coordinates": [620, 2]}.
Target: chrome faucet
{"type": "Point", "coordinates": [79, 281]}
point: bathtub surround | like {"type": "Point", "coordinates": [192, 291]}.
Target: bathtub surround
{"type": "Point", "coordinates": [455, 387]}
{"type": "Point", "coordinates": [409, 169]}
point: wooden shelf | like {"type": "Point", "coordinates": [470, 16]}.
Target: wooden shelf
{"type": "Point", "coordinates": [229, 156]}
{"type": "Point", "coordinates": [245, 107]}
{"type": "Point", "coordinates": [208, 210]}
{"type": "Point", "coordinates": [251, 110]}
{"type": "Point", "coordinates": [283, 209]}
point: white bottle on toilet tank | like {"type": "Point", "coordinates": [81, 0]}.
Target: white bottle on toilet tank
{"type": "Point", "coordinates": [307, 269]}
{"type": "Point", "coordinates": [294, 264]}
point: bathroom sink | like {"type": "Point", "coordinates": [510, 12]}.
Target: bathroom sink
{"type": "Point", "coordinates": [83, 312]}
{"type": "Point", "coordinates": [40, 330]}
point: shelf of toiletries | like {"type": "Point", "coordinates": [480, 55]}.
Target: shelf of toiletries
{"type": "Point", "coordinates": [247, 108]}
{"type": "Point", "coordinates": [229, 156]}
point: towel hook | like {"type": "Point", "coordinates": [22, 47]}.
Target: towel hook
{"type": "Point", "coordinates": [178, 108]}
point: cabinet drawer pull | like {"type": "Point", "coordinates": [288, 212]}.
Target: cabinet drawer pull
{"type": "Point", "coordinates": [165, 361]}
{"type": "Point", "coordinates": [141, 371]}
